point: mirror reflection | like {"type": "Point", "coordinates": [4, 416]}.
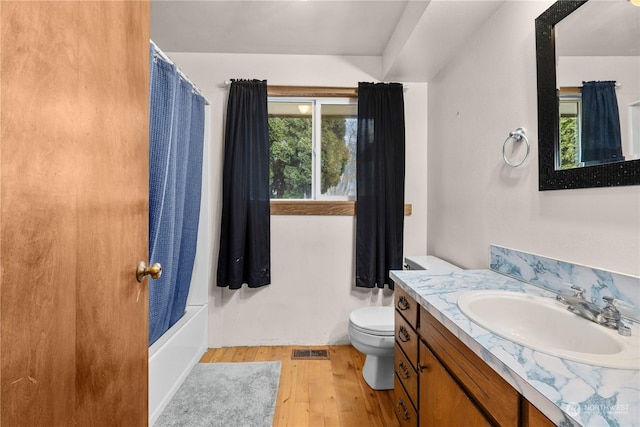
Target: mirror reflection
{"type": "Point", "coordinates": [598, 84]}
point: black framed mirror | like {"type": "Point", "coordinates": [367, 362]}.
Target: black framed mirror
{"type": "Point", "coordinates": [551, 176]}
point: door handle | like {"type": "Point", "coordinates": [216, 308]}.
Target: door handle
{"type": "Point", "coordinates": [155, 271]}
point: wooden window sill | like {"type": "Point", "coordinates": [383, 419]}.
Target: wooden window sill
{"type": "Point", "coordinates": [319, 207]}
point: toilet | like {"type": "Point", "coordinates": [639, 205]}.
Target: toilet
{"type": "Point", "coordinates": [371, 331]}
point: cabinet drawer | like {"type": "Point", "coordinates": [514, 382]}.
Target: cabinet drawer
{"type": "Point", "coordinates": [407, 375]}
{"type": "Point", "coordinates": [407, 338]}
{"type": "Point", "coordinates": [407, 416]}
{"type": "Point", "coordinates": [407, 306]}
{"type": "Point", "coordinates": [492, 392]}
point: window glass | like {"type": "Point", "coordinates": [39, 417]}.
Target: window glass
{"type": "Point", "coordinates": [291, 145]}
{"type": "Point", "coordinates": [313, 148]}
{"type": "Point", "coordinates": [570, 120]}
{"type": "Point", "coordinates": [338, 150]}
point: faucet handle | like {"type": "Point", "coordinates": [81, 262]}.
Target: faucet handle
{"type": "Point", "coordinates": [610, 309]}
{"type": "Point", "coordinates": [612, 317]}
{"type": "Point", "coordinates": [615, 302]}
{"type": "Point", "coordinates": [579, 290]}
{"type": "Point", "coordinates": [619, 303]}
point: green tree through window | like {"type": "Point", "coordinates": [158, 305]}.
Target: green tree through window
{"type": "Point", "coordinates": [570, 106]}
{"type": "Point", "coordinates": [290, 157]}
{"type": "Point", "coordinates": [308, 162]}
{"type": "Point", "coordinates": [335, 154]}
{"type": "Point", "coordinates": [568, 142]}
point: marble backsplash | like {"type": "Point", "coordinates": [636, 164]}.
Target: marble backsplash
{"type": "Point", "coordinates": [558, 276]}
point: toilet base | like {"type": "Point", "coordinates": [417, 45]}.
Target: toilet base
{"type": "Point", "coordinates": [378, 372]}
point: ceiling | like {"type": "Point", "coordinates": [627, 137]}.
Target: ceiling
{"type": "Point", "coordinates": [277, 27]}
{"type": "Point", "coordinates": [406, 34]}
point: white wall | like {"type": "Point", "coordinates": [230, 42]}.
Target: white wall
{"type": "Point", "coordinates": [312, 257]}
{"type": "Point", "coordinates": [474, 199]}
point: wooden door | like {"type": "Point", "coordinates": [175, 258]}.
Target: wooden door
{"type": "Point", "coordinates": [442, 401]}
{"type": "Point", "coordinates": [73, 213]}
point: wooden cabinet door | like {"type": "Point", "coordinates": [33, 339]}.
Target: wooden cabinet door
{"type": "Point", "coordinates": [442, 401]}
{"type": "Point", "coordinates": [74, 98]}
{"type": "Point", "coordinates": [532, 417]}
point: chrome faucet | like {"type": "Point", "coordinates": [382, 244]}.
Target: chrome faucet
{"type": "Point", "coordinates": [580, 306]}
{"type": "Point", "coordinates": [608, 316]}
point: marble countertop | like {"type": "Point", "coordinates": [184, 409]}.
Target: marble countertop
{"type": "Point", "coordinates": [568, 393]}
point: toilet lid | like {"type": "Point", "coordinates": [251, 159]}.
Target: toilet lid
{"type": "Point", "coordinates": [374, 320]}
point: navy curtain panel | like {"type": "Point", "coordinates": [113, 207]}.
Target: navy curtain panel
{"type": "Point", "coordinates": [380, 183]}
{"type": "Point", "coordinates": [601, 136]}
{"type": "Point", "coordinates": [176, 132]}
{"type": "Point", "coordinates": [244, 256]}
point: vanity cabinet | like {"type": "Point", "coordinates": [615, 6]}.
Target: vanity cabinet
{"type": "Point", "coordinates": [439, 381]}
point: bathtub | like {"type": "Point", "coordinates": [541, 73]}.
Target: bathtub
{"type": "Point", "coordinates": [173, 355]}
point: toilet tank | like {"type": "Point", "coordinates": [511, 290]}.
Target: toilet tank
{"type": "Point", "coordinates": [428, 262]}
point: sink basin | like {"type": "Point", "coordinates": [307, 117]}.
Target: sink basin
{"type": "Point", "coordinates": [545, 325]}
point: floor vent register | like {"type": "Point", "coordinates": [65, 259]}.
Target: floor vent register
{"type": "Point", "coordinates": [310, 354]}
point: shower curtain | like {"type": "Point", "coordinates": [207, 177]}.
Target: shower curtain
{"type": "Point", "coordinates": [176, 133]}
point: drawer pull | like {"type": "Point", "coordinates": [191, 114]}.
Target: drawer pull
{"type": "Point", "coordinates": [422, 368]}
{"type": "Point", "coordinates": [403, 335]}
{"type": "Point", "coordinates": [403, 304]}
{"type": "Point", "coordinates": [405, 372]}
{"type": "Point", "coordinates": [401, 410]}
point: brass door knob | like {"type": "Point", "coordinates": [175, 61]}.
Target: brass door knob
{"type": "Point", "coordinates": [155, 271]}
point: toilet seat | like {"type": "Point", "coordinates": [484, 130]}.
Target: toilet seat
{"type": "Point", "coordinates": [373, 320]}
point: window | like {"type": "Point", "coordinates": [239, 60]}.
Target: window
{"type": "Point", "coordinates": [312, 148]}
{"type": "Point", "coordinates": [570, 129]}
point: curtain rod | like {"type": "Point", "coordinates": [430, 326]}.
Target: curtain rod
{"type": "Point", "coordinates": [578, 89]}
{"type": "Point", "coordinates": [404, 87]}
{"type": "Point", "coordinates": [182, 74]}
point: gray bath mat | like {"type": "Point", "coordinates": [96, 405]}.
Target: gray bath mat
{"type": "Point", "coordinates": [225, 395]}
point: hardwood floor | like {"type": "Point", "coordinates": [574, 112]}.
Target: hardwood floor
{"type": "Point", "coordinates": [317, 393]}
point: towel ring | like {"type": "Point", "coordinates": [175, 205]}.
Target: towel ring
{"type": "Point", "coordinates": [517, 135]}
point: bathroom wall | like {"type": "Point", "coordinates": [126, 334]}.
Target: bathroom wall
{"type": "Point", "coordinates": [475, 199]}
{"type": "Point", "coordinates": [312, 289]}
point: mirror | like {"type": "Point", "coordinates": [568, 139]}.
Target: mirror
{"type": "Point", "coordinates": [578, 51]}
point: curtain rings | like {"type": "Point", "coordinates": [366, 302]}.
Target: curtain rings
{"type": "Point", "coordinates": [517, 135]}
